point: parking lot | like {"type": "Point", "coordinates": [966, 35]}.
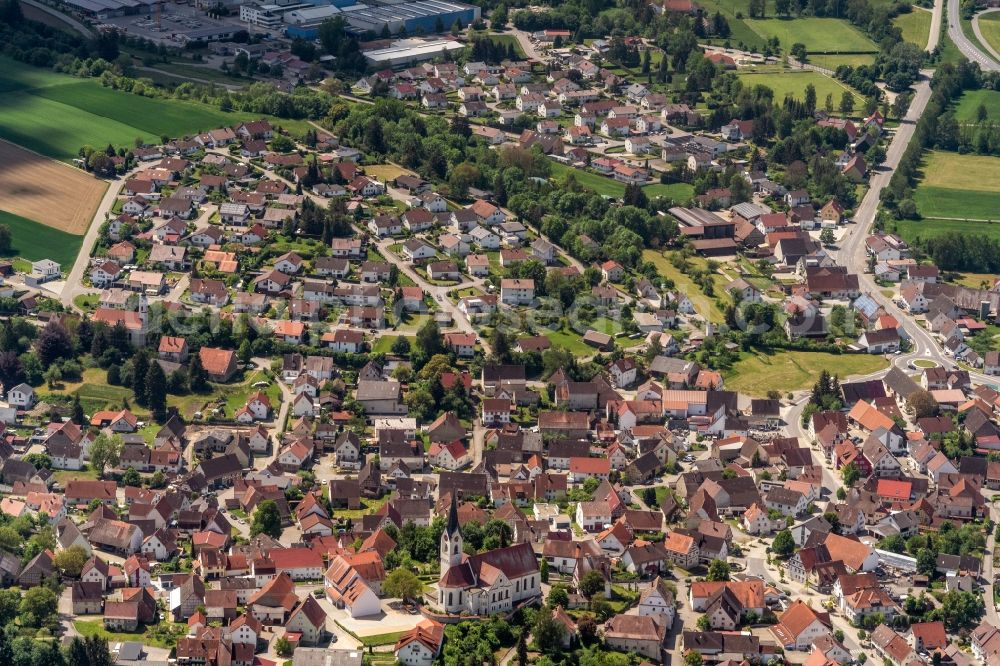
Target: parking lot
{"type": "Point", "coordinates": [174, 21]}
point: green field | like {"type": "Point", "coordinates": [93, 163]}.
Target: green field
{"type": "Point", "coordinates": [793, 82]}
{"type": "Point", "coordinates": [929, 227]}
{"type": "Point", "coordinates": [969, 103]}
{"type": "Point", "coordinates": [832, 62]}
{"type": "Point", "coordinates": [916, 26]}
{"type": "Point", "coordinates": [820, 35]}
{"type": "Point", "coordinates": [612, 188]}
{"type": "Point", "coordinates": [956, 186]}
{"type": "Point", "coordinates": [34, 241]}
{"type": "Point", "coordinates": [989, 25]}
{"type": "Point", "coordinates": [705, 306]}
{"type": "Point", "coordinates": [759, 372]}
{"type": "Point", "coordinates": [54, 114]}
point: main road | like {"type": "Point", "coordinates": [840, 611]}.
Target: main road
{"type": "Point", "coordinates": [964, 44]}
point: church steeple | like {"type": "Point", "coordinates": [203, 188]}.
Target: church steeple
{"type": "Point", "coordinates": [452, 516]}
{"type": "Point", "coordinates": [451, 539]}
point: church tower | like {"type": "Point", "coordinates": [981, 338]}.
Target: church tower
{"type": "Point", "coordinates": [451, 540]}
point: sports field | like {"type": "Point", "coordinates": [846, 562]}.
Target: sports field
{"type": "Point", "coordinates": [49, 192]}
{"type": "Point", "coordinates": [793, 82]}
{"type": "Point", "coordinates": [820, 35]}
{"type": "Point", "coordinates": [34, 241]}
{"type": "Point", "coordinates": [916, 26]}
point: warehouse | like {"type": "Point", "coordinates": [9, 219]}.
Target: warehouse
{"type": "Point", "coordinates": [422, 17]}
{"type": "Point", "coordinates": [408, 52]}
{"type": "Point", "coordinates": [103, 9]}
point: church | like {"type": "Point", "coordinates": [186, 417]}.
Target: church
{"type": "Point", "coordinates": [488, 583]}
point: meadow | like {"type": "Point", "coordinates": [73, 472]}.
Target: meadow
{"type": "Point", "coordinates": [916, 26]}
{"type": "Point", "coordinates": [970, 101]}
{"type": "Point", "coordinates": [820, 35]}
{"type": "Point", "coordinates": [762, 371]}
{"type": "Point", "coordinates": [832, 62]}
{"type": "Point", "coordinates": [793, 82]}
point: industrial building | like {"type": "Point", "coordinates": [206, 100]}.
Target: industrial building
{"type": "Point", "coordinates": [421, 17]}
{"type": "Point", "coordinates": [103, 9]}
{"type": "Point", "coordinates": [408, 52]}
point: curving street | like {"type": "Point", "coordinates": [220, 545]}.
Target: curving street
{"type": "Point", "coordinates": [964, 44]}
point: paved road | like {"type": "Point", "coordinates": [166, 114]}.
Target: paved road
{"type": "Point", "coordinates": [65, 18]}
{"type": "Point", "coordinates": [964, 44]}
{"type": "Point", "coordinates": [74, 281]}
{"type": "Point", "coordinates": [979, 33]}
{"type": "Point", "coordinates": [991, 608]}
{"type": "Point", "coordinates": [935, 35]}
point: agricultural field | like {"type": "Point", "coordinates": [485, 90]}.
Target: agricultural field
{"type": "Point", "coordinates": [820, 35]}
{"type": "Point", "coordinates": [989, 25]}
{"type": "Point", "coordinates": [793, 82]}
{"type": "Point", "coordinates": [916, 26]}
{"type": "Point", "coordinates": [784, 371]}
{"type": "Point", "coordinates": [54, 114]}
{"type": "Point", "coordinates": [51, 193]}
{"type": "Point", "coordinates": [964, 187]}
{"type": "Point", "coordinates": [34, 241]}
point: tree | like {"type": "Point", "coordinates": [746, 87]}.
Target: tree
{"type": "Point", "coordinates": [847, 102]}
{"type": "Point", "coordinates": [522, 645]}
{"type": "Point", "coordinates": [718, 570]}
{"type": "Point", "coordinates": [544, 570]}
{"type": "Point", "coordinates": [826, 237]}
{"type": "Point", "coordinates": [960, 610]}
{"type": "Point", "coordinates": [428, 343]}
{"type": "Point", "coordinates": [266, 520]}
{"type": "Point", "coordinates": [401, 346]}
{"type": "Point", "coordinates": [6, 239]}
{"type": "Point", "coordinates": [922, 404]}
{"type": "Point", "coordinates": [38, 607]}
{"type": "Point", "coordinates": [131, 478]}
{"type": "Point", "coordinates": [926, 562]}
{"type": "Point", "coordinates": [592, 583]}
{"type": "Point", "coordinates": [558, 596]}
{"type": "Point", "coordinates": [548, 632]}
{"type": "Point", "coordinates": [156, 392]}
{"type": "Point", "coordinates": [403, 584]}
{"type": "Point", "coordinates": [106, 451]}
{"type": "Point", "coordinates": [78, 417]}
{"type": "Point", "coordinates": [197, 375]}
{"type": "Point", "coordinates": [850, 474]}
{"type": "Point", "coordinates": [282, 647]}
{"type": "Point", "coordinates": [70, 561]}
{"type": "Point", "coordinates": [53, 343]}
{"type": "Point", "coordinates": [783, 544]}
{"type": "Point", "coordinates": [692, 658]}
{"type": "Point", "coordinates": [140, 368]}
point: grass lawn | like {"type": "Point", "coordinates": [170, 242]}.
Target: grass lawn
{"type": "Point", "coordinates": [818, 34]}
{"type": "Point", "coordinates": [989, 25]}
{"type": "Point", "coordinates": [236, 394]}
{"type": "Point", "coordinates": [834, 61]}
{"type": "Point", "coordinates": [592, 181]}
{"type": "Point", "coordinates": [369, 506]}
{"type": "Point", "coordinates": [146, 636]}
{"type": "Point", "coordinates": [969, 102]}
{"type": "Point", "coordinates": [975, 280]}
{"type": "Point", "coordinates": [570, 340]}
{"type": "Point", "coordinates": [34, 241]}
{"type": "Point", "coordinates": [740, 32]}
{"type": "Point", "coordinates": [386, 172]}
{"type": "Point", "coordinates": [503, 40]}
{"type": "Point", "coordinates": [924, 363]}
{"type": "Point", "coordinates": [956, 186]}
{"type": "Point", "coordinates": [793, 82]}
{"type": "Point", "coordinates": [705, 306]}
{"type": "Point", "coordinates": [384, 344]}
{"type": "Point", "coordinates": [675, 191]}
{"type": "Point", "coordinates": [916, 26]}
{"type": "Point", "coordinates": [759, 372]}
{"type": "Point", "coordinates": [62, 476]}
{"type": "Point", "coordinates": [87, 301]}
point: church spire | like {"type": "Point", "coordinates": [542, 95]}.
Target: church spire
{"type": "Point", "coordinates": [452, 527]}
